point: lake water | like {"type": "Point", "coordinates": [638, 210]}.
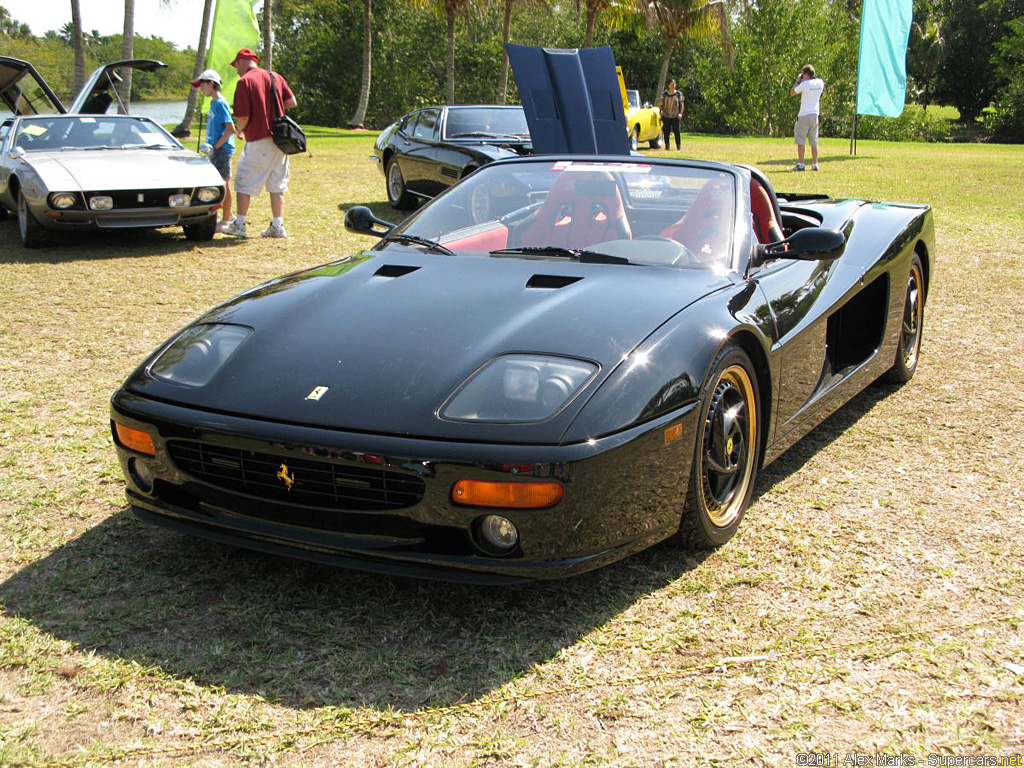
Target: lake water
{"type": "Point", "coordinates": [163, 112]}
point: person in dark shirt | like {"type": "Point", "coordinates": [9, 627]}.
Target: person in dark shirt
{"type": "Point", "coordinates": [261, 164]}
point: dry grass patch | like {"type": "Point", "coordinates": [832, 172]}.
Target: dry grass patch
{"type": "Point", "coordinates": [902, 514]}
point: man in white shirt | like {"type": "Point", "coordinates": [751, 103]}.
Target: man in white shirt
{"type": "Point", "coordinates": [809, 88]}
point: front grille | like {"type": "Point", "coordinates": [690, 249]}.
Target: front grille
{"type": "Point", "coordinates": [129, 198]}
{"type": "Point", "coordinates": [320, 484]}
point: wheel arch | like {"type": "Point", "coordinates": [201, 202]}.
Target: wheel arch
{"type": "Point", "coordinates": [748, 342]}
{"type": "Point", "coordinates": [921, 249]}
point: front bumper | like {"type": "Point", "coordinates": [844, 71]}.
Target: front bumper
{"type": "Point", "coordinates": [134, 218]}
{"type": "Point", "coordinates": [622, 493]}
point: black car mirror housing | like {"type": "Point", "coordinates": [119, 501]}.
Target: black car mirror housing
{"type": "Point", "coordinates": [808, 244]}
{"type": "Point", "coordinates": [360, 220]}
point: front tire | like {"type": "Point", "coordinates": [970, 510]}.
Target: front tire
{"type": "Point", "coordinates": [634, 138]}
{"type": "Point", "coordinates": [656, 142]}
{"type": "Point", "coordinates": [31, 231]}
{"type": "Point", "coordinates": [912, 331]}
{"type": "Point", "coordinates": [398, 195]}
{"type": "Point", "coordinates": [725, 452]}
{"type": "Point", "coordinates": [204, 230]}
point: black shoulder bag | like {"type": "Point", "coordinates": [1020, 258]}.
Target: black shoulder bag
{"type": "Point", "coordinates": [287, 134]}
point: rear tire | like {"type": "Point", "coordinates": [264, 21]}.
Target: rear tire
{"type": "Point", "coordinates": [908, 350]}
{"type": "Point", "coordinates": [656, 142]}
{"type": "Point", "coordinates": [725, 452]}
{"type": "Point", "coordinates": [204, 230]}
{"type": "Point", "coordinates": [31, 231]}
{"type": "Point", "coordinates": [398, 195]}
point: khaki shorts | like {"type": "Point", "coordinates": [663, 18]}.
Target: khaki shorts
{"type": "Point", "coordinates": [806, 129]}
{"type": "Point", "coordinates": [261, 165]}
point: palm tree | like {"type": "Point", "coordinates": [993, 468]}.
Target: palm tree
{"type": "Point", "coordinates": [197, 70]}
{"type": "Point", "coordinates": [127, 52]}
{"type": "Point", "coordinates": [506, 28]}
{"type": "Point", "coordinates": [679, 19]}
{"type": "Point", "coordinates": [268, 35]}
{"type": "Point", "coordinates": [594, 10]}
{"type": "Point", "coordinates": [364, 89]}
{"type": "Point", "coordinates": [78, 43]}
{"type": "Point", "coordinates": [926, 53]}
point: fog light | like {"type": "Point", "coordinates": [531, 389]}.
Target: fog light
{"type": "Point", "coordinates": [63, 200]}
{"type": "Point", "coordinates": [140, 474]}
{"type": "Point", "coordinates": [178, 201]}
{"type": "Point", "coordinates": [497, 535]}
{"type": "Point", "coordinates": [101, 203]}
{"type": "Point", "coordinates": [208, 194]}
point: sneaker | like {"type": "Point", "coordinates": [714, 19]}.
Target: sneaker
{"type": "Point", "coordinates": [799, 167]}
{"type": "Point", "coordinates": [814, 167]}
{"type": "Point", "coordinates": [236, 229]}
{"type": "Point", "coordinates": [273, 231]}
{"type": "Point", "coordinates": [222, 226]}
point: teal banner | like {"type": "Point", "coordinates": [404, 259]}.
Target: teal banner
{"type": "Point", "coordinates": [882, 63]}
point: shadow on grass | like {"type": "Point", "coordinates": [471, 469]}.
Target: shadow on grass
{"type": "Point", "coordinates": [64, 247]}
{"type": "Point", "coordinates": [822, 160]}
{"type": "Point", "coordinates": [307, 635]}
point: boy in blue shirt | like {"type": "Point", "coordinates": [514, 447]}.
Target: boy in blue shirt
{"type": "Point", "coordinates": [220, 135]}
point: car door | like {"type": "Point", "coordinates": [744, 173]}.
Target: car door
{"type": "Point", "coordinates": [411, 153]}
{"type": "Point", "coordinates": [425, 136]}
{"type": "Point", "coordinates": [794, 292]}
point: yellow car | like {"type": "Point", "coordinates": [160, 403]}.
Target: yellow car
{"type": "Point", "coordinates": [642, 122]}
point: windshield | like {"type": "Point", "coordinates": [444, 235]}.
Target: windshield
{"type": "Point", "coordinates": [633, 97]}
{"type": "Point", "coordinates": [50, 134]}
{"type": "Point", "coordinates": [639, 213]}
{"type": "Point", "coordinates": [486, 122]}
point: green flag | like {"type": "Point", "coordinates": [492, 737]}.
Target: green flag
{"type": "Point", "coordinates": [234, 27]}
{"type": "Point", "coordinates": [882, 63]}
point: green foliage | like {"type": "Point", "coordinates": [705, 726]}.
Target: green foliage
{"type": "Point", "coordinates": [1006, 119]}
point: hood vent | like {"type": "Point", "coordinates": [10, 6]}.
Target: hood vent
{"type": "Point", "coordinates": [551, 281]}
{"type": "Point", "coordinates": [394, 270]}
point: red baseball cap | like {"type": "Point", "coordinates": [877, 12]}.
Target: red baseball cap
{"type": "Point", "coordinates": [245, 53]}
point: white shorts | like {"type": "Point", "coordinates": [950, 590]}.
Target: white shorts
{"type": "Point", "coordinates": [806, 129]}
{"type": "Point", "coordinates": [261, 165]}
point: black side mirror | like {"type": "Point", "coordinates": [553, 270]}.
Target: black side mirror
{"type": "Point", "coordinates": [360, 219]}
{"type": "Point", "coordinates": [808, 244]}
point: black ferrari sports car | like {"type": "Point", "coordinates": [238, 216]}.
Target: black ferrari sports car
{"type": "Point", "coordinates": [605, 363]}
{"type": "Point", "coordinates": [430, 149]}
{"type": "Point", "coordinates": [557, 362]}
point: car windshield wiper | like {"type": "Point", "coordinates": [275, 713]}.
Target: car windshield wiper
{"type": "Point", "coordinates": [430, 245]}
{"type": "Point", "coordinates": [576, 254]}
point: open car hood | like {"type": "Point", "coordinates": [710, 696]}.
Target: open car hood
{"type": "Point", "coordinates": [23, 90]}
{"type": "Point", "coordinates": [572, 100]}
{"type": "Point", "coordinates": [103, 81]}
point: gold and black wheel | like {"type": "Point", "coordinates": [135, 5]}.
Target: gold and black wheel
{"type": "Point", "coordinates": [725, 452]}
{"type": "Point", "coordinates": [912, 331]}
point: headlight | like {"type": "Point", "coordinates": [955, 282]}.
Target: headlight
{"type": "Point", "coordinates": [519, 388]}
{"type": "Point", "coordinates": [178, 201]}
{"type": "Point", "coordinates": [101, 203]}
{"type": "Point", "coordinates": [63, 199]}
{"type": "Point", "coordinates": [208, 194]}
{"type": "Point", "coordinates": [198, 353]}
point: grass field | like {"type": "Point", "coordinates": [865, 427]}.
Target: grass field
{"type": "Point", "coordinates": [871, 602]}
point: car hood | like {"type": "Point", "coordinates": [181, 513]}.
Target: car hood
{"type": "Point", "coordinates": [393, 336]}
{"type": "Point", "coordinates": [104, 169]}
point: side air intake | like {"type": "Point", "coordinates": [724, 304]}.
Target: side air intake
{"type": "Point", "coordinates": [394, 270]}
{"type": "Point", "coordinates": [551, 281]}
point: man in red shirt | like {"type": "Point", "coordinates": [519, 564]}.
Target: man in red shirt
{"type": "Point", "coordinates": [261, 163]}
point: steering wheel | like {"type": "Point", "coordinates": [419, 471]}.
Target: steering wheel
{"type": "Point", "coordinates": [689, 259]}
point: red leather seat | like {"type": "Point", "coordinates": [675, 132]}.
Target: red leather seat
{"type": "Point", "coordinates": [765, 224]}
{"type": "Point", "coordinates": [705, 227]}
{"type": "Point", "coordinates": [582, 208]}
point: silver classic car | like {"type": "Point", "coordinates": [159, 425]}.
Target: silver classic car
{"type": "Point", "coordinates": [83, 169]}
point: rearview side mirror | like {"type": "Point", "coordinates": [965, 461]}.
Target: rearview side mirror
{"type": "Point", "coordinates": [808, 244]}
{"type": "Point", "coordinates": [360, 220]}
{"type": "Point", "coordinates": [17, 153]}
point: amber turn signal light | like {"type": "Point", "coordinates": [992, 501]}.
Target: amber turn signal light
{"type": "Point", "coordinates": [524, 495]}
{"type": "Point", "coordinates": [135, 439]}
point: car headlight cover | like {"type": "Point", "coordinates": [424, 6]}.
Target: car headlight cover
{"type": "Point", "coordinates": [208, 194]}
{"type": "Point", "coordinates": [519, 388]}
{"type": "Point", "coordinates": [101, 203]}
{"type": "Point", "coordinates": [178, 201]}
{"type": "Point", "coordinates": [198, 353]}
{"type": "Point", "coordinates": [63, 200]}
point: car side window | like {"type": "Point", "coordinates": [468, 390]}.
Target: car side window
{"type": "Point", "coordinates": [5, 130]}
{"type": "Point", "coordinates": [409, 124]}
{"type": "Point", "coordinates": [426, 128]}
